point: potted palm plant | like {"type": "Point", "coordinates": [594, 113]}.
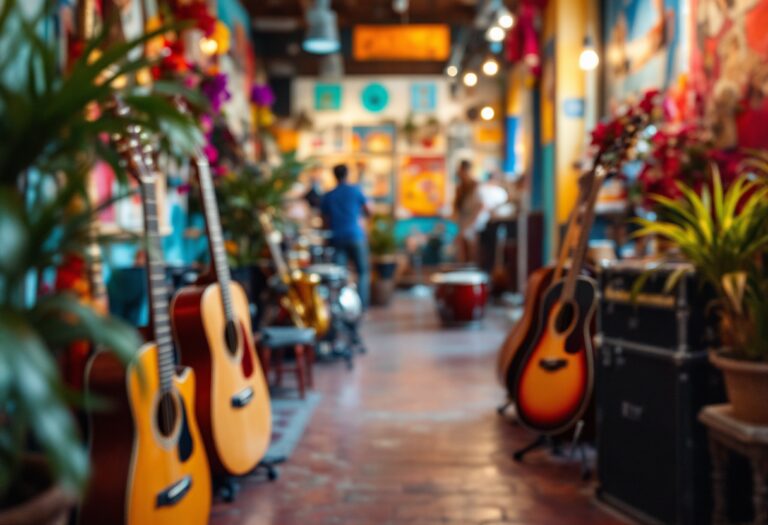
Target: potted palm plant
{"type": "Point", "coordinates": [724, 234]}
{"type": "Point", "coordinates": [383, 247]}
{"type": "Point", "coordinates": [48, 145]}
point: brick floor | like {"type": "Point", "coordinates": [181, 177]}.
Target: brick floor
{"type": "Point", "coordinates": [411, 437]}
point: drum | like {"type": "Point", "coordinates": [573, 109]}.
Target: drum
{"type": "Point", "coordinates": [461, 296]}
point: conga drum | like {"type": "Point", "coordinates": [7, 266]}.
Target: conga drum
{"type": "Point", "coordinates": [461, 296]}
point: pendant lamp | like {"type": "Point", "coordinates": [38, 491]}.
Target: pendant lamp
{"type": "Point", "coordinates": [322, 36]}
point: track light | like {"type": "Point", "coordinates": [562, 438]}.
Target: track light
{"type": "Point", "coordinates": [470, 79]}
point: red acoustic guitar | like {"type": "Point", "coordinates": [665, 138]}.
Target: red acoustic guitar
{"type": "Point", "coordinates": [212, 325]}
{"type": "Point", "coordinates": [149, 462]}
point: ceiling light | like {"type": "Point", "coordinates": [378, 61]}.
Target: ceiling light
{"type": "Point", "coordinates": [487, 113]}
{"type": "Point", "coordinates": [322, 29]}
{"type": "Point", "coordinates": [470, 79]}
{"type": "Point", "coordinates": [589, 59]}
{"type": "Point", "coordinates": [490, 67]}
{"type": "Point", "coordinates": [452, 71]}
{"type": "Point", "coordinates": [495, 34]}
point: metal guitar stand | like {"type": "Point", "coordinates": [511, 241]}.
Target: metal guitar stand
{"type": "Point", "coordinates": [551, 442]}
{"type": "Point", "coordinates": [227, 487]}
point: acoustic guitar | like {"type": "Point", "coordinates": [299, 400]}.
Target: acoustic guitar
{"type": "Point", "coordinates": [149, 461]}
{"type": "Point", "coordinates": [212, 325]}
{"type": "Point", "coordinates": [552, 370]}
{"type": "Point", "coordinates": [553, 385]}
{"type": "Point", "coordinates": [302, 298]}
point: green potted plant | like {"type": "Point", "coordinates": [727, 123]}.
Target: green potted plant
{"type": "Point", "coordinates": [383, 247]}
{"type": "Point", "coordinates": [242, 195]}
{"type": "Point", "coordinates": [724, 234]}
{"type": "Point", "coordinates": [48, 145]}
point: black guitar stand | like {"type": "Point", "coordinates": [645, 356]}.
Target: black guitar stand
{"type": "Point", "coordinates": [545, 440]}
{"type": "Point", "coordinates": [502, 409]}
{"type": "Point", "coordinates": [227, 487]}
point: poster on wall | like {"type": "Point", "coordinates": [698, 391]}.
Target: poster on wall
{"type": "Point", "coordinates": [423, 97]}
{"type": "Point", "coordinates": [373, 139]}
{"type": "Point", "coordinates": [375, 175]}
{"type": "Point", "coordinates": [729, 68]}
{"type": "Point", "coordinates": [644, 46]}
{"type": "Point", "coordinates": [421, 186]}
{"type": "Point", "coordinates": [328, 97]}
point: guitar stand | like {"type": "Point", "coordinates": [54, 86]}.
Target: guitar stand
{"type": "Point", "coordinates": [548, 441]}
{"type": "Point", "coordinates": [227, 487]}
{"type": "Point", "coordinates": [540, 442]}
{"type": "Point", "coordinates": [502, 409]}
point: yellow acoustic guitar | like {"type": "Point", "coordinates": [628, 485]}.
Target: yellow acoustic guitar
{"type": "Point", "coordinates": [149, 461]}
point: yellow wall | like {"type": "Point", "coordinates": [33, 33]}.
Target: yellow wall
{"type": "Point", "coordinates": [570, 24]}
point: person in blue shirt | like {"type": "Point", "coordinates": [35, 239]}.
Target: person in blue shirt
{"type": "Point", "coordinates": [343, 211]}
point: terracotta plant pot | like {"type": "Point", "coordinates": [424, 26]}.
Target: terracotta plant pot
{"type": "Point", "coordinates": [48, 505]}
{"type": "Point", "coordinates": [747, 385]}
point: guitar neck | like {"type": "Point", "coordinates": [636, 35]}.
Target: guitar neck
{"type": "Point", "coordinates": [215, 236]}
{"type": "Point", "coordinates": [158, 292]}
{"type": "Point", "coordinates": [274, 247]}
{"type": "Point", "coordinates": [586, 217]}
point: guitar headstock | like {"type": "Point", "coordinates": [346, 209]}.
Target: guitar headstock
{"type": "Point", "coordinates": [133, 145]}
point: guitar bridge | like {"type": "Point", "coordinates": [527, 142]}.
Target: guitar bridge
{"type": "Point", "coordinates": [175, 493]}
{"type": "Point", "coordinates": [242, 398]}
{"type": "Point", "coordinates": [553, 365]}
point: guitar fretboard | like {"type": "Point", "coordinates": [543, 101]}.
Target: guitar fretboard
{"type": "Point", "coordinates": [216, 239]}
{"type": "Point", "coordinates": [158, 292]}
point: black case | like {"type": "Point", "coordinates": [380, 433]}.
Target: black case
{"type": "Point", "coordinates": [677, 321]}
{"type": "Point", "coordinates": [653, 460]}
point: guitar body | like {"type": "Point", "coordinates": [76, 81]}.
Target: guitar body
{"type": "Point", "coordinates": [233, 406]}
{"type": "Point", "coordinates": [554, 382]}
{"type": "Point", "coordinates": [521, 335]}
{"type": "Point", "coordinates": [143, 474]}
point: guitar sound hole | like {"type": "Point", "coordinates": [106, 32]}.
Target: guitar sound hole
{"type": "Point", "coordinates": [565, 317]}
{"type": "Point", "coordinates": [167, 412]}
{"type": "Point", "coordinates": [230, 336]}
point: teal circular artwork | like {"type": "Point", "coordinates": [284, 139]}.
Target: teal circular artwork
{"type": "Point", "coordinates": [375, 97]}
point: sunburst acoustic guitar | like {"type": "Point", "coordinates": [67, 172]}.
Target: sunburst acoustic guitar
{"type": "Point", "coordinates": [212, 325]}
{"type": "Point", "coordinates": [149, 461]}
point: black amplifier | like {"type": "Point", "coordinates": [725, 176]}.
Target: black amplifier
{"type": "Point", "coordinates": [678, 320]}
{"type": "Point", "coordinates": [653, 459]}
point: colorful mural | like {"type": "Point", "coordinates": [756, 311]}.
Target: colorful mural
{"type": "Point", "coordinates": [645, 46]}
{"type": "Point", "coordinates": [729, 68]}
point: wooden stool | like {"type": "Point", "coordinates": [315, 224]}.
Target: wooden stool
{"type": "Point", "coordinates": [275, 345]}
{"type": "Point", "coordinates": [751, 441]}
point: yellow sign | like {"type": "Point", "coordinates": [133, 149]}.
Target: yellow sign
{"type": "Point", "coordinates": [417, 42]}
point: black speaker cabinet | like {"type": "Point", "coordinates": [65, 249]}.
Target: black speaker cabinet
{"type": "Point", "coordinates": [653, 460]}
{"type": "Point", "coordinates": [677, 319]}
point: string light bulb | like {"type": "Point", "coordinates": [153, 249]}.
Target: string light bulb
{"type": "Point", "coordinates": [589, 59]}
{"type": "Point", "coordinates": [470, 79]}
{"type": "Point", "coordinates": [487, 113]}
{"type": "Point", "coordinates": [452, 71]}
{"type": "Point", "coordinates": [490, 67]}
{"type": "Point", "coordinates": [208, 46]}
{"type": "Point", "coordinates": [495, 34]}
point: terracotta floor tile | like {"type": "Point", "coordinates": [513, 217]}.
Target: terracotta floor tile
{"type": "Point", "coordinates": [411, 437]}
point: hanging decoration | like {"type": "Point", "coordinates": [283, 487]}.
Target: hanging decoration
{"type": "Point", "coordinates": [262, 99]}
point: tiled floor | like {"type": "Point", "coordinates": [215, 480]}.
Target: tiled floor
{"type": "Point", "coordinates": [411, 437]}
